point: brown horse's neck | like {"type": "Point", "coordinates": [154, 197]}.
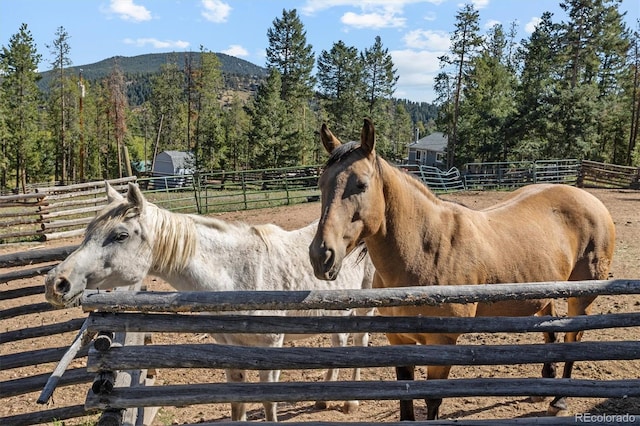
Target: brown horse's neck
{"type": "Point", "coordinates": [412, 217]}
{"type": "Point", "coordinates": [406, 198]}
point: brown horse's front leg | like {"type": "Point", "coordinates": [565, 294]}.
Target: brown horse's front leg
{"type": "Point", "coordinates": [406, 405]}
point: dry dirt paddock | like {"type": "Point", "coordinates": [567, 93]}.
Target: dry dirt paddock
{"type": "Point", "coordinates": [625, 208]}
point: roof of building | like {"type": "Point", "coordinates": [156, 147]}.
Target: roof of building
{"type": "Point", "coordinates": [436, 141]}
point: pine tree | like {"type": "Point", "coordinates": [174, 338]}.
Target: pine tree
{"type": "Point", "coordinates": [488, 103]}
{"type": "Point", "coordinates": [60, 89]}
{"type": "Point", "coordinates": [268, 140]}
{"type": "Point", "coordinates": [210, 149]}
{"type": "Point", "coordinates": [341, 84]}
{"type": "Point", "coordinates": [289, 53]}
{"type": "Point", "coordinates": [167, 106]}
{"type": "Point", "coordinates": [379, 75]}
{"type": "Point", "coordinates": [465, 41]}
{"type": "Point", "coordinates": [540, 70]}
{"type": "Point", "coordinates": [235, 125]}
{"type": "Point", "coordinates": [118, 107]}
{"type": "Point", "coordinates": [21, 97]}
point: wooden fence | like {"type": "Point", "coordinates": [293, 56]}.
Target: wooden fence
{"type": "Point", "coordinates": [156, 312]}
{"type": "Point", "coordinates": [602, 175]}
{"type": "Point", "coordinates": [54, 212]}
{"type": "Point", "coordinates": [26, 300]}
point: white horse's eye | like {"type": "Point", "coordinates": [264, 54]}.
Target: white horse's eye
{"type": "Point", "coordinates": [121, 236]}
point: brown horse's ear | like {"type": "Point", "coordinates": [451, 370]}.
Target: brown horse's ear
{"type": "Point", "coordinates": [329, 141]}
{"type": "Point", "coordinates": [368, 136]}
{"type": "Point", "coordinates": [135, 197]}
{"type": "Point", "coordinates": [112, 194]}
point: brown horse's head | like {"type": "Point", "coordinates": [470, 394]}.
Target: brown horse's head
{"type": "Point", "coordinates": [352, 200]}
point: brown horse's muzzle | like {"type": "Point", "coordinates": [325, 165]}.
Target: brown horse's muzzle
{"type": "Point", "coordinates": [324, 261]}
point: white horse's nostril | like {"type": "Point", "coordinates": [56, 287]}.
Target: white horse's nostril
{"type": "Point", "coordinates": [63, 286]}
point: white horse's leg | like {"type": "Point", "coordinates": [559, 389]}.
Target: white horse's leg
{"type": "Point", "coordinates": [339, 339]}
{"type": "Point", "coordinates": [238, 409]}
{"type": "Point", "coordinates": [270, 408]}
{"type": "Point", "coordinates": [359, 339]}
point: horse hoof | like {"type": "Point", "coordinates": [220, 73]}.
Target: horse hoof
{"type": "Point", "coordinates": [557, 412]}
{"type": "Point", "coordinates": [350, 407]}
{"type": "Point", "coordinates": [537, 398]}
{"type": "Point", "coordinates": [321, 405]}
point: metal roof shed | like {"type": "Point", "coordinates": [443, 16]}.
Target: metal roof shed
{"type": "Point", "coordinates": [172, 163]}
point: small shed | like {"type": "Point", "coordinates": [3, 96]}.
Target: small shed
{"type": "Point", "coordinates": [429, 151]}
{"type": "Point", "coordinates": [171, 164]}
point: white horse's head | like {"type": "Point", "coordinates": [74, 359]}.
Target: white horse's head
{"type": "Point", "coordinates": [115, 252]}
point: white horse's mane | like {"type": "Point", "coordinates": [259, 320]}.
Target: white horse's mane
{"type": "Point", "coordinates": [176, 236]}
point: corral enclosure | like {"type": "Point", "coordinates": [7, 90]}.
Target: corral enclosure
{"type": "Point", "coordinates": [624, 208]}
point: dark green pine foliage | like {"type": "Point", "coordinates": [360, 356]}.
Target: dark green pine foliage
{"type": "Point", "coordinates": [465, 42]}
{"type": "Point", "coordinates": [21, 97]}
{"type": "Point", "coordinates": [540, 63]}
{"type": "Point", "coordinates": [289, 53]}
{"type": "Point", "coordinates": [168, 107]}
{"type": "Point", "coordinates": [380, 77]}
{"type": "Point", "coordinates": [270, 144]}
{"type": "Point", "coordinates": [340, 82]}
{"type": "Point", "coordinates": [488, 104]}
{"type": "Point", "coordinates": [61, 104]}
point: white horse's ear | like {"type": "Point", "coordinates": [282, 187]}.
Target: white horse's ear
{"type": "Point", "coordinates": [135, 197]}
{"type": "Point", "coordinates": [329, 141]}
{"type": "Point", "coordinates": [368, 136]}
{"type": "Point", "coordinates": [112, 194]}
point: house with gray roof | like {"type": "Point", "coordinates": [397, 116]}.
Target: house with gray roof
{"type": "Point", "coordinates": [429, 151]}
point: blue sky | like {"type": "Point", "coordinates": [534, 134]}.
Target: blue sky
{"type": "Point", "coordinates": [415, 32]}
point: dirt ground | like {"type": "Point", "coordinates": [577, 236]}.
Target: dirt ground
{"type": "Point", "coordinates": [624, 206]}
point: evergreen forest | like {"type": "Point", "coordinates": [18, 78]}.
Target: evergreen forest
{"type": "Point", "coordinates": [570, 90]}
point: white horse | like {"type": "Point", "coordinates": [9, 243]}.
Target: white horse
{"type": "Point", "coordinates": [132, 237]}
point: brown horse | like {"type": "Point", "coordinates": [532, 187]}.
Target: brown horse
{"type": "Point", "coordinates": [540, 233]}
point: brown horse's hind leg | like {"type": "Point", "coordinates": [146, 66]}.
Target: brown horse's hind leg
{"type": "Point", "coordinates": [575, 306]}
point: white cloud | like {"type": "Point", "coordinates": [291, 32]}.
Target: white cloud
{"type": "Point", "coordinates": [236, 50]}
{"type": "Point", "coordinates": [129, 11]}
{"type": "Point", "coordinates": [430, 16]}
{"type": "Point", "coordinates": [417, 70]}
{"type": "Point", "coordinates": [385, 19]}
{"type": "Point", "coordinates": [427, 39]}
{"type": "Point", "coordinates": [492, 23]}
{"type": "Point", "coordinates": [530, 26]}
{"type": "Point", "coordinates": [157, 44]}
{"type": "Point", "coordinates": [215, 11]}
{"type": "Point", "coordinates": [312, 6]}
{"type": "Point", "coordinates": [480, 4]}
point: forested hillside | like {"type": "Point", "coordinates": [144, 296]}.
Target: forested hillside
{"type": "Point", "coordinates": [238, 74]}
{"type": "Point", "coordinates": [569, 90]}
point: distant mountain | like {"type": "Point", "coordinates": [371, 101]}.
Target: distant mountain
{"type": "Point", "coordinates": [238, 73]}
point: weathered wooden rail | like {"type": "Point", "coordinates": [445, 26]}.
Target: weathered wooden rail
{"type": "Point", "coordinates": [170, 312]}
{"type": "Point", "coordinates": [54, 212]}
{"type": "Point", "coordinates": [30, 300]}
{"type": "Point", "coordinates": [602, 175]}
